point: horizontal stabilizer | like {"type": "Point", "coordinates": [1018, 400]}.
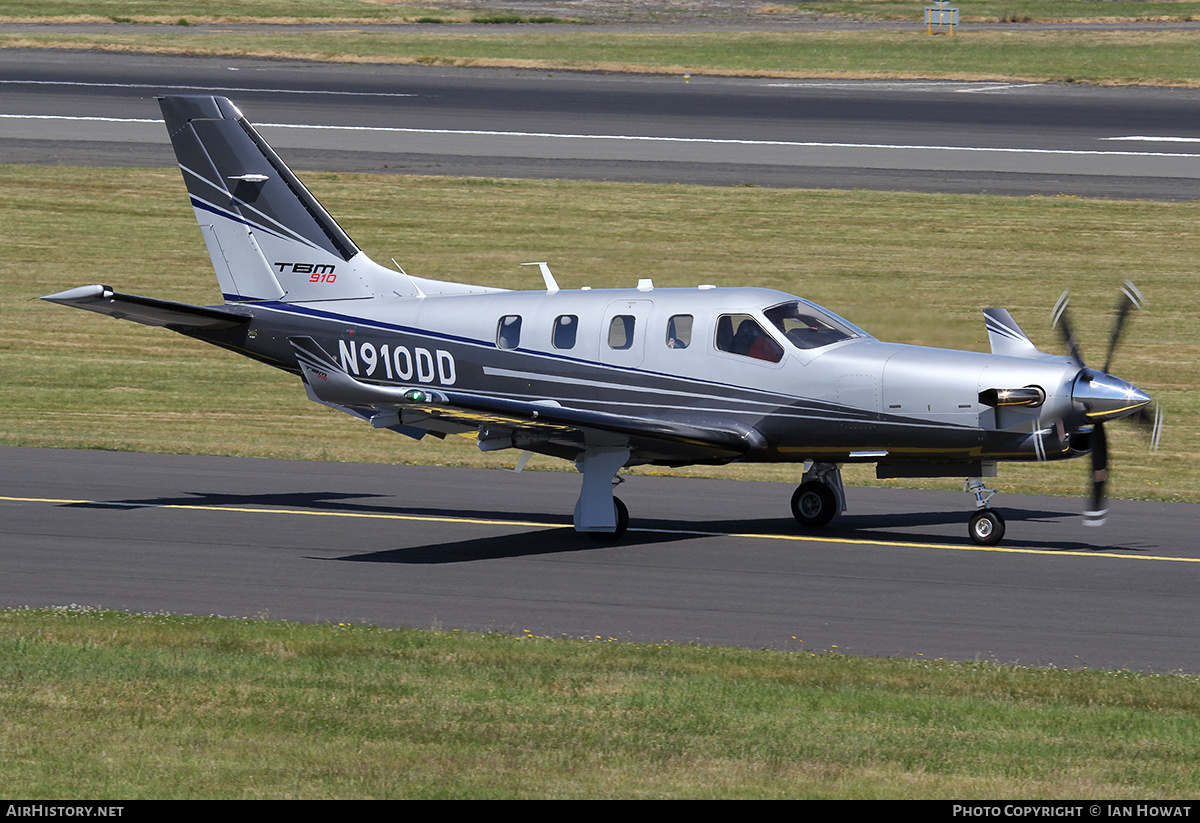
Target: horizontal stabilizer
{"type": "Point", "coordinates": [147, 310]}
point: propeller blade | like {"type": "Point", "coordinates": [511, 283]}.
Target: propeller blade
{"type": "Point", "coordinates": [1150, 422]}
{"type": "Point", "coordinates": [1098, 513]}
{"type": "Point", "coordinates": [1063, 324]}
{"type": "Point", "coordinates": [1130, 298]}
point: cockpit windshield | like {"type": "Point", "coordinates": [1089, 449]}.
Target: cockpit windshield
{"type": "Point", "coordinates": [807, 326]}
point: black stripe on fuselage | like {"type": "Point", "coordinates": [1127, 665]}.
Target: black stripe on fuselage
{"type": "Point", "coordinates": [789, 421]}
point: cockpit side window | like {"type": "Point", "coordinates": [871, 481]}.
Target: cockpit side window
{"type": "Point", "coordinates": [741, 334]}
{"type": "Point", "coordinates": [805, 327]}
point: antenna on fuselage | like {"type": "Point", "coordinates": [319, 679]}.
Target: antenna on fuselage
{"type": "Point", "coordinates": [551, 285]}
{"type": "Point", "coordinates": [400, 269]}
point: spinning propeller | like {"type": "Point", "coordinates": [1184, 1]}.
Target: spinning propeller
{"type": "Point", "coordinates": [1104, 397]}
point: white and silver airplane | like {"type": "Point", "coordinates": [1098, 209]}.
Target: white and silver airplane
{"type": "Point", "coordinates": [610, 378]}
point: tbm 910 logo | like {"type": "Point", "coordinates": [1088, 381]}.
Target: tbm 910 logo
{"type": "Point", "coordinates": [319, 272]}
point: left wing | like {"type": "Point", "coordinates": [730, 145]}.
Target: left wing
{"type": "Point", "coordinates": [688, 437]}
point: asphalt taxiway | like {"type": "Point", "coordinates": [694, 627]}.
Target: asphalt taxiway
{"type": "Point", "coordinates": [705, 561]}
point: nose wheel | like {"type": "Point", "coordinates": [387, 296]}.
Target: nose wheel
{"type": "Point", "coordinates": [986, 527]}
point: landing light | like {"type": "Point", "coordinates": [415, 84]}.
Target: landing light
{"type": "Point", "coordinates": [1027, 396]}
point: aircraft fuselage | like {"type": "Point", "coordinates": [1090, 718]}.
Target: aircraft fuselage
{"type": "Point", "coordinates": [857, 399]}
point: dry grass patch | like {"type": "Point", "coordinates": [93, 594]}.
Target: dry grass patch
{"type": "Point", "coordinates": [82, 381]}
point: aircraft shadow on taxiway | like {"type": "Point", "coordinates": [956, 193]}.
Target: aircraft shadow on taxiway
{"type": "Point", "coordinates": [902, 528]}
{"type": "Point", "coordinates": [926, 527]}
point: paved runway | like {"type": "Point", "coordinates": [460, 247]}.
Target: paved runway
{"type": "Point", "coordinates": [705, 561]}
{"type": "Point", "coordinates": [1005, 138]}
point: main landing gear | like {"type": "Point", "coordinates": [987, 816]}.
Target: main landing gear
{"type": "Point", "coordinates": [598, 513]}
{"type": "Point", "coordinates": [820, 496]}
{"type": "Point", "coordinates": [817, 500]}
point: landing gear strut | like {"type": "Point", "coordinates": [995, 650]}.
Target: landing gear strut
{"type": "Point", "coordinates": [597, 512]}
{"type": "Point", "coordinates": [986, 526]}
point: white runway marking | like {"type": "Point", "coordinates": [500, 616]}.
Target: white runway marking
{"type": "Point", "coordinates": [630, 138]}
{"type": "Point", "coordinates": [1148, 139]}
{"type": "Point", "coordinates": [203, 88]}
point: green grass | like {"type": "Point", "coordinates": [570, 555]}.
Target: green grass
{"type": "Point", "coordinates": [914, 268]}
{"type": "Point", "coordinates": [1110, 57]}
{"type": "Point", "coordinates": [1164, 58]}
{"type": "Point", "coordinates": [987, 11]}
{"type": "Point", "coordinates": [170, 11]}
{"type": "Point", "coordinates": [106, 705]}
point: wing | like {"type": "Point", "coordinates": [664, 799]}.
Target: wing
{"type": "Point", "coordinates": [501, 422]}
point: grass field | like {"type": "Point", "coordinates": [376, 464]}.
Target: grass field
{"type": "Point", "coordinates": [102, 705]}
{"type": "Point", "coordinates": [912, 268]}
{"type": "Point", "coordinates": [991, 11]}
{"type": "Point", "coordinates": [1111, 57]}
{"type": "Point", "coordinates": [406, 11]}
{"type": "Point", "coordinates": [1148, 58]}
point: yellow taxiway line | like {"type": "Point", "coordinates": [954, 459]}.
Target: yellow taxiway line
{"type": "Point", "coordinates": [852, 541]}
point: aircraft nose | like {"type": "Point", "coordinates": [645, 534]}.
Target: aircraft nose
{"type": "Point", "coordinates": [1105, 397]}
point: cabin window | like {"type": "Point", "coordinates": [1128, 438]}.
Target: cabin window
{"type": "Point", "coordinates": [679, 331]}
{"type": "Point", "coordinates": [620, 332]}
{"type": "Point", "coordinates": [741, 334]}
{"type": "Point", "coordinates": [806, 327]}
{"type": "Point", "coordinates": [508, 332]}
{"type": "Point", "coordinates": [566, 327]}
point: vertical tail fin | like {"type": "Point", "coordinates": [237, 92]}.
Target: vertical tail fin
{"type": "Point", "coordinates": [268, 237]}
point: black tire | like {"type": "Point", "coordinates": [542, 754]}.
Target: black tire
{"type": "Point", "coordinates": [986, 527]}
{"type": "Point", "coordinates": [622, 524]}
{"type": "Point", "coordinates": [814, 504]}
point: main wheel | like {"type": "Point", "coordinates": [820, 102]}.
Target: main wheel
{"type": "Point", "coordinates": [986, 527]}
{"type": "Point", "coordinates": [814, 504]}
{"type": "Point", "coordinates": [622, 524]}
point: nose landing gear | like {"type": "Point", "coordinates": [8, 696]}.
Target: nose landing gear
{"type": "Point", "coordinates": [986, 526]}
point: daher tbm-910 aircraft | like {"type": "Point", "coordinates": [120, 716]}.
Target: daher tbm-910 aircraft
{"type": "Point", "coordinates": [610, 378]}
